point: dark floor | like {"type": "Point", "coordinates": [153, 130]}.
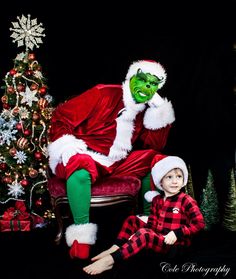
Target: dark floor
{"type": "Point", "coordinates": [31, 255]}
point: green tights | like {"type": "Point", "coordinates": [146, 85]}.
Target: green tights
{"type": "Point", "coordinates": [144, 188]}
{"type": "Point", "coordinates": [79, 195]}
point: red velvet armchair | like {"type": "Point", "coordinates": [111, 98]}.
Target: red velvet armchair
{"type": "Point", "coordinates": [112, 191]}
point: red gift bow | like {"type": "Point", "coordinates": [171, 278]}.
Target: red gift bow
{"type": "Point", "coordinates": [16, 213]}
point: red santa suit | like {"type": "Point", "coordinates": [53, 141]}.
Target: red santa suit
{"type": "Point", "coordinates": [104, 123]}
{"type": "Point", "coordinates": [98, 131]}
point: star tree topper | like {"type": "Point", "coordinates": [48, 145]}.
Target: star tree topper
{"type": "Point", "coordinates": [27, 32]}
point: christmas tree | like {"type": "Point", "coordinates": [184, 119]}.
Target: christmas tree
{"type": "Point", "coordinates": [229, 221]}
{"type": "Point", "coordinates": [209, 203]}
{"type": "Point", "coordinates": [189, 187]}
{"type": "Point", "coordinates": [25, 123]}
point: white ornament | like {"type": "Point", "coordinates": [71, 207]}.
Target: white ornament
{"type": "Point", "coordinates": [28, 96]}
{"type": "Point", "coordinates": [15, 189]}
{"type": "Point", "coordinates": [20, 56]}
{"type": "Point", "coordinates": [20, 157]}
{"type": "Point", "coordinates": [27, 32]}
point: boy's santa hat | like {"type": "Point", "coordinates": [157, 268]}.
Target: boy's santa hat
{"type": "Point", "coordinates": [160, 166]}
{"type": "Point", "coordinates": [148, 66]}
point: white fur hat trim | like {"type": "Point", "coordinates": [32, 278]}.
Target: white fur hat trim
{"type": "Point", "coordinates": [148, 66]}
{"type": "Point", "coordinates": [162, 167]}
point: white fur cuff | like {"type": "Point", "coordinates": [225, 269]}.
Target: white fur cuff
{"type": "Point", "coordinates": [144, 218]}
{"type": "Point", "coordinates": [156, 101]}
{"type": "Point", "coordinates": [150, 195]}
{"type": "Point", "coordinates": [65, 144]}
{"type": "Point", "coordinates": [159, 117]}
{"type": "Point", "coordinates": [83, 233]}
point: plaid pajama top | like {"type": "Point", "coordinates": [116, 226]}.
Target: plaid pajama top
{"type": "Point", "coordinates": [179, 213]}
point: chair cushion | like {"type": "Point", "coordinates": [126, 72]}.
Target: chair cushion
{"type": "Point", "coordinates": [112, 186]}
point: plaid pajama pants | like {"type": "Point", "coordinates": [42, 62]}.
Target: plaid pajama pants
{"type": "Point", "coordinates": [134, 237]}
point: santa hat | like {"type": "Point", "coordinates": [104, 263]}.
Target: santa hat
{"type": "Point", "coordinates": [148, 66]}
{"type": "Point", "coordinates": [160, 166]}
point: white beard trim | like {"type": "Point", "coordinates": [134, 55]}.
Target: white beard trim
{"type": "Point", "coordinates": [124, 132]}
{"type": "Point", "coordinates": [125, 125]}
{"type": "Point", "coordinates": [152, 67]}
{"type": "Point", "coordinates": [157, 117]}
{"type": "Point", "coordinates": [83, 233]}
{"type": "Point", "coordinates": [65, 144]}
{"type": "Point", "coordinates": [150, 195]}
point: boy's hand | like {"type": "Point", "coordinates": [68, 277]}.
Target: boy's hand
{"type": "Point", "coordinates": [170, 238]}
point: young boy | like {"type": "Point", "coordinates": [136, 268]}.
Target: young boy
{"type": "Point", "coordinates": [174, 218]}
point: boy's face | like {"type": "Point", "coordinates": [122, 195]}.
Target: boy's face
{"type": "Point", "coordinates": [172, 182]}
{"type": "Point", "coordinates": [143, 86]}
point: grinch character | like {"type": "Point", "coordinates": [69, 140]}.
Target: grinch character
{"type": "Point", "coordinates": [95, 135]}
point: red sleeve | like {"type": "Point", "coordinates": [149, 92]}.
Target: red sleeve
{"type": "Point", "coordinates": [155, 139]}
{"type": "Point", "coordinates": [72, 113]}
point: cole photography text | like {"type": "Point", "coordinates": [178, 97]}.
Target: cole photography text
{"type": "Point", "coordinates": [194, 268]}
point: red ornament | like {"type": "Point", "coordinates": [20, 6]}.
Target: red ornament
{"type": "Point", "coordinates": [42, 90]}
{"type": "Point", "coordinates": [38, 155]}
{"type": "Point", "coordinates": [10, 89]}
{"type": "Point", "coordinates": [33, 173]}
{"type": "Point", "coordinates": [12, 152]}
{"type": "Point", "coordinates": [19, 126]}
{"type": "Point", "coordinates": [27, 132]}
{"type": "Point", "coordinates": [38, 202]}
{"type": "Point", "coordinates": [6, 106]}
{"type": "Point", "coordinates": [3, 166]}
{"type": "Point", "coordinates": [24, 182]}
{"type": "Point", "coordinates": [31, 56]}
{"type": "Point", "coordinates": [7, 179]}
{"type": "Point", "coordinates": [35, 116]}
{"type": "Point", "coordinates": [29, 72]}
{"type": "Point", "coordinates": [13, 72]}
{"type": "Point", "coordinates": [20, 87]}
{"type": "Point", "coordinates": [44, 140]}
{"type": "Point", "coordinates": [33, 86]}
{"type": "Point", "coordinates": [15, 111]}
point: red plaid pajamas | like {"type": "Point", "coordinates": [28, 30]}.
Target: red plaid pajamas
{"type": "Point", "coordinates": [179, 213]}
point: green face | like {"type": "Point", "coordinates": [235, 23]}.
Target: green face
{"type": "Point", "coordinates": [143, 86]}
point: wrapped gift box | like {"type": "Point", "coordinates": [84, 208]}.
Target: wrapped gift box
{"type": "Point", "coordinates": [15, 225]}
{"type": "Point", "coordinates": [15, 218]}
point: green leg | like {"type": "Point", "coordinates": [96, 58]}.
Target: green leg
{"type": "Point", "coordinates": [79, 195]}
{"type": "Point", "coordinates": [146, 187]}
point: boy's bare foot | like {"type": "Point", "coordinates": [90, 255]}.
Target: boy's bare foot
{"type": "Point", "coordinates": [100, 265]}
{"type": "Point", "coordinates": [105, 253]}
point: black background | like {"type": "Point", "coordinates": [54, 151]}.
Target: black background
{"type": "Point", "coordinates": [90, 43]}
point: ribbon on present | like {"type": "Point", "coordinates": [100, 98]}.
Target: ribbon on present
{"type": "Point", "coordinates": [18, 212]}
{"type": "Point", "coordinates": [15, 225]}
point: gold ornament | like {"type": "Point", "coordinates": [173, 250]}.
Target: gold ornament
{"type": "Point", "coordinates": [47, 113]}
{"type": "Point", "coordinates": [4, 99]}
{"type": "Point", "coordinates": [33, 173]}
